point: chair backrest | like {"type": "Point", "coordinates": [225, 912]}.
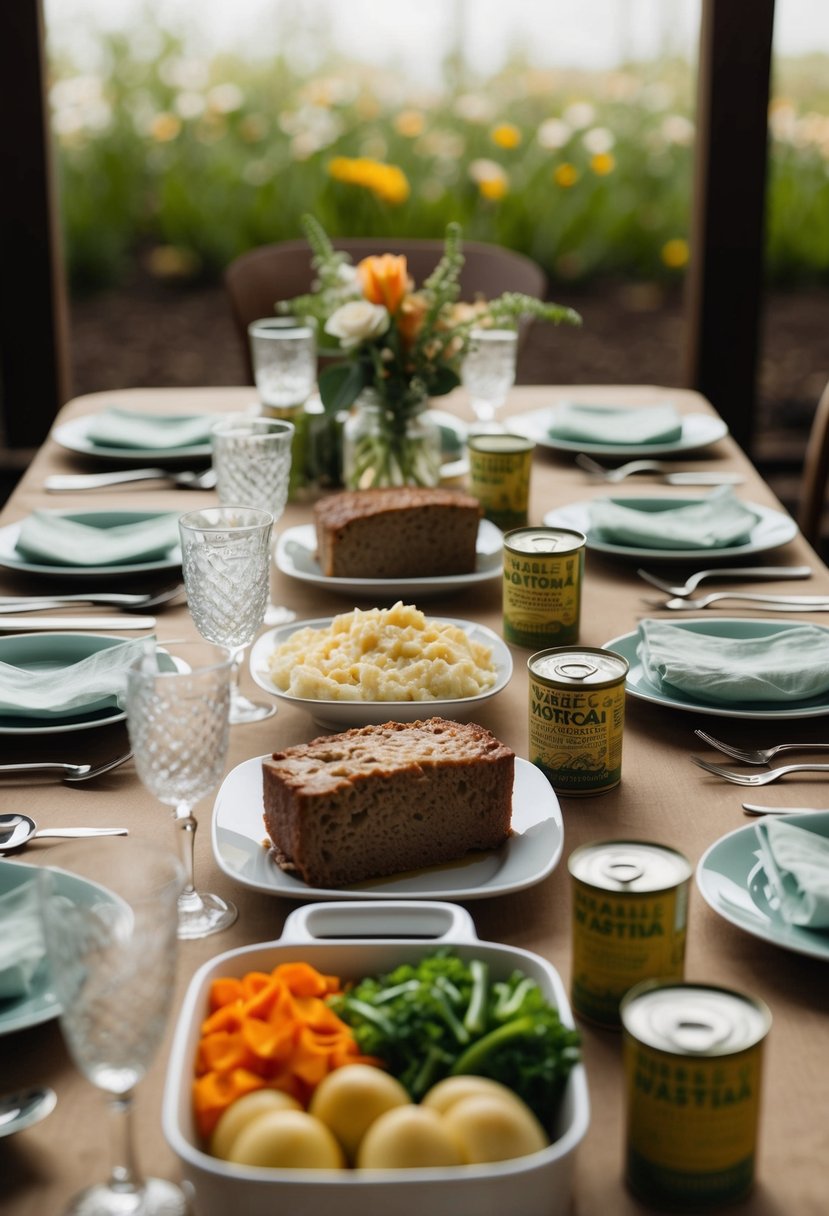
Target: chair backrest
{"type": "Point", "coordinates": [815, 473]}
{"type": "Point", "coordinates": [257, 279]}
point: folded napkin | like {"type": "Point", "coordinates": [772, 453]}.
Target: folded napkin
{"type": "Point", "coordinates": [796, 862]}
{"type": "Point", "coordinates": [717, 522]}
{"type": "Point", "coordinates": [118, 428]}
{"type": "Point", "coordinates": [616, 424]}
{"type": "Point", "coordinates": [56, 540]}
{"type": "Point", "coordinates": [787, 666]}
{"type": "Point", "coordinates": [21, 942]}
{"type": "Point", "coordinates": [100, 679]}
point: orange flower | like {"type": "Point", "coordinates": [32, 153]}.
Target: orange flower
{"type": "Point", "coordinates": [410, 318]}
{"type": "Point", "coordinates": [384, 280]}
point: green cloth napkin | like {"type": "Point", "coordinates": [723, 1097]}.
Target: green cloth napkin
{"type": "Point", "coordinates": [119, 428]}
{"type": "Point", "coordinates": [54, 539]}
{"type": "Point", "coordinates": [616, 424]}
{"type": "Point", "coordinates": [787, 666]}
{"type": "Point", "coordinates": [796, 862]}
{"type": "Point", "coordinates": [716, 522]}
{"type": "Point", "coordinates": [21, 943]}
{"type": "Point", "coordinates": [96, 681]}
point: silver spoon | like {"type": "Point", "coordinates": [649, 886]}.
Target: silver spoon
{"type": "Point", "coordinates": [17, 830]}
{"type": "Point", "coordinates": [25, 1108]}
{"type": "Point", "coordinates": [116, 599]}
{"type": "Point", "coordinates": [73, 773]}
{"type": "Point", "coordinates": [751, 808]}
{"type": "Point", "coordinates": [186, 480]}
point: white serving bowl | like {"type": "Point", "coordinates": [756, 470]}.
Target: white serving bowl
{"type": "Point", "coordinates": [343, 715]}
{"type": "Point", "coordinates": [351, 940]}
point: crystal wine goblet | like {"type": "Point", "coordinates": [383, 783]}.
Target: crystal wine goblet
{"type": "Point", "coordinates": [488, 373]}
{"type": "Point", "coordinates": [284, 357]}
{"type": "Point", "coordinates": [109, 926]}
{"type": "Point", "coordinates": [252, 459]}
{"type": "Point", "coordinates": [178, 700]}
{"type": "Point", "coordinates": [225, 561]}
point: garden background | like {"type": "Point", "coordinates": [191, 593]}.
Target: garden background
{"type": "Point", "coordinates": [180, 144]}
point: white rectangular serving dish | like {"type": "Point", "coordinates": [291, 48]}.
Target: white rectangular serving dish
{"type": "Point", "coordinates": [351, 940]}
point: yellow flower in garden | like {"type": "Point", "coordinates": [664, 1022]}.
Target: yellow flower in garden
{"type": "Point", "coordinates": [387, 182]}
{"type": "Point", "coordinates": [164, 127]}
{"type": "Point", "coordinates": [505, 135]}
{"type": "Point", "coordinates": [565, 175]}
{"type": "Point", "coordinates": [675, 253]}
{"type": "Point", "coordinates": [493, 188]}
{"type": "Point", "coordinates": [602, 164]}
{"type": "Point", "coordinates": [409, 123]}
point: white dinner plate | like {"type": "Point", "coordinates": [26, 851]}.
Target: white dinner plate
{"type": "Point", "coordinates": [528, 856]}
{"type": "Point", "coordinates": [733, 882]}
{"type": "Point", "coordinates": [637, 684]}
{"type": "Point", "coordinates": [73, 435]}
{"type": "Point", "coordinates": [41, 1003]}
{"type": "Point", "coordinates": [296, 555]}
{"type": "Point", "coordinates": [773, 529]}
{"type": "Point", "coordinates": [698, 431]}
{"type": "Point", "coordinates": [10, 557]}
{"type": "Point", "coordinates": [342, 715]}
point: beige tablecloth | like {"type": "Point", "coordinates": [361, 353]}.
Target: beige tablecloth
{"type": "Point", "coordinates": [662, 798]}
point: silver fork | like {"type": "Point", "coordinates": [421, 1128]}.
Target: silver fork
{"type": "Point", "coordinates": [117, 599]}
{"type": "Point", "coordinates": [758, 755]}
{"type": "Point", "coordinates": [665, 472]}
{"type": "Point", "coordinates": [71, 773]}
{"type": "Point", "coordinates": [758, 778]}
{"type": "Point", "coordinates": [772, 603]}
{"type": "Point", "coordinates": [693, 581]}
{"type": "Point", "coordinates": [188, 479]}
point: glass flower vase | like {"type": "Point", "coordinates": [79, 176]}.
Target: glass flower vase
{"type": "Point", "coordinates": [390, 447]}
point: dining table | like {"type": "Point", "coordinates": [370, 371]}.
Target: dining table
{"type": "Point", "coordinates": [662, 798]}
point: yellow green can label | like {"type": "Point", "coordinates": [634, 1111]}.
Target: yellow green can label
{"type": "Point", "coordinates": [543, 573]}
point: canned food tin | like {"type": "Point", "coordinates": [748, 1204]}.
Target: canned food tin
{"type": "Point", "coordinates": [499, 476]}
{"type": "Point", "coordinates": [543, 571]}
{"type": "Point", "coordinates": [693, 1061]}
{"type": "Point", "coordinates": [577, 717]}
{"type": "Point", "coordinates": [630, 912]}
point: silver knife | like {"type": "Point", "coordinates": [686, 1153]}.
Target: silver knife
{"type": "Point", "coordinates": [27, 624]}
{"type": "Point", "coordinates": [701, 479]}
{"type": "Point", "coordinates": [752, 808]}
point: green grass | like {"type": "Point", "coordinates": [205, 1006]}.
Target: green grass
{"type": "Point", "coordinates": [197, 172]}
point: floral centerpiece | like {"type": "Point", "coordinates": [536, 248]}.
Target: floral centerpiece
{"type": "Point", "coordinates": [396, 345]}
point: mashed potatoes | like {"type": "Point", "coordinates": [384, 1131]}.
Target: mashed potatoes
{"type": "Point", "coordinates": [382, 654]}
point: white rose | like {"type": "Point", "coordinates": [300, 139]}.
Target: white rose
{"type": "Point", "coordinates": [356, 321]}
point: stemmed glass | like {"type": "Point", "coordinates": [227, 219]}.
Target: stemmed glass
{"type": "Point", "coordinates": [111, 944]}
{"type": "Point", "coordinates": [178, 700]}
{"type": "Point", "coordinates": [252, 459]}
{"type": "Point", "coordinates": [225, 555]}
{"type": "Point", "coordinates": [284, 357]}
{"type": "Point", "coordinates": [488, 373]}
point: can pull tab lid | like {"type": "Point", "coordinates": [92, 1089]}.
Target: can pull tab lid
{"type": "Point", "coordinates": [577, 670]}
{"type": "Point", "coordinates": [695, 1031]}
{"type": "Point", "coordinates": [543, 544]}
{"type": "Point", "coordinates": [623, 869]}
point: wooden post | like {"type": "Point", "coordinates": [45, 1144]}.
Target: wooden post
{"type": "Point", "coordinates": [33, 308]}
{"type": "Point", "coordinates": [725, 281]}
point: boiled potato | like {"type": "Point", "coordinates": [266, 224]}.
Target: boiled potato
{"type": "Point", "coordinates": [492, 1128]}
{"type": "Point", "coordinates": [409, 1137]}
{"type": "Point", "coordinates": [287, 1139]}
{"type": "Point", "coordinates": [349, 1099]}
{"type": "Point", "coordinates": [242, 1112]}
{"type": "Point", "coordinates": [442, 1096]}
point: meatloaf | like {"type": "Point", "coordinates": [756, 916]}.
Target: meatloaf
{"type": "Point", "coordinates": [398, 532]}
{"type": "Point", "coordinates": [383, 799]}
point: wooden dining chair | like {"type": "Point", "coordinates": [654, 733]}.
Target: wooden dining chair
{"type": "Point", "coordinates": [256, 280]}
{"type": "Point", "coordinates": [815, 474]}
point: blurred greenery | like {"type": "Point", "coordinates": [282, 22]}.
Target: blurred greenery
{"type": "Point", "coordinates": [192, 161]}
